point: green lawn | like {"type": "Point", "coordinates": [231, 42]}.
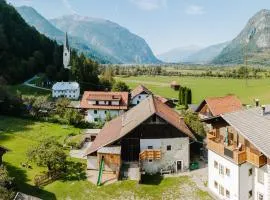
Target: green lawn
{"type": "Point", "coordinates": [19, 134]}
{"type": "Point", "coordinates": [28, 91]}
{"type": "Point", "coordinates": [205, 87]}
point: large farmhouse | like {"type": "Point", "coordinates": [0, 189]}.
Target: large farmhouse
{"type": "Point", "coordinates": [70, 90]}
{"type": "Point", "coordinates": [98, 105]}
{"type": "Point", "coordinates": [151, 136]}
{"type": "Point", "coordinates": [238, 154]}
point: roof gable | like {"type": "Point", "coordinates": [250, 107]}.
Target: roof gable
{"type": "Point", "coordinates": [221, 105]}
{"type": "Point", "coordinates": [140, 89]}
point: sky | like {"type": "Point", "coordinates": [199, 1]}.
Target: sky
{"type": "Point", "coordinates": [164, 24]}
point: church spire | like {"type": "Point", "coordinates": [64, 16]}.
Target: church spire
{"type": "Point", "coordinates": [66, 41]}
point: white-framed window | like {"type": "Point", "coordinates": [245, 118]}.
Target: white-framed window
{"type": "Point", "coordinates": [249, 194]}
{"type": "Point", "coordinates": [221, 169]}
{"type": "Point", "coordinates": [250, 172]}
{"type": "Point", "coordinates": [228, 172]}
{"type": "Point", "coordinates": [216, 164]}
{"type": "Point", "coordinates": [169, 147]}
{"type": "Point", "coordinates": [215, 184]}
{"type": "Point", "coordinates": [150, 160]}
{"type": "Point", "coordinates": [260, 196]}
{"type": "Point", "coordinates": [260, 176]}
{"type": "Point", "coordinates": [150, 147]}
{"type": "Point", "coordinates": [228, 194]}
{"type": "Point", "coordinates": [221, 190]}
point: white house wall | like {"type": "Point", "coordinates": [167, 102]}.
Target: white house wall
{"type": "Point", "coordinates": [261, 188]}
{"type": "Point", "coordinates": [238, 183]}
{"type": "Point", "coordinates": [70, 94]}
{"type": "Point", "coordinates": [137, 99]}
{"type": "Point", "coordinates": [101, 114]}
{"type": "Point", "coordinates": [179, 152]}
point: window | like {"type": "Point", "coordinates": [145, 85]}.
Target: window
{"type": "Point", "coordinates": [221, 190]}
{"type": "Point", "coordinates": [169, 147]}
{"type": "Point", "coordinates": [260, 196]}
{"type": "Point", "coordinates": [216, 164]}
{"type": "Point", "coordinates": [260, 176]}
{"type": "Point", "coordinates": [250, 172]}
{"type": "Point", "coordinates": [227, 193]}
{"type": "Point", "coordinates": [216, 185]}
{"type": "Point", "coordinates": [221, 169]}
{"type": "Point", "coordinates": [105, 111]}
{"type": "Point", "coordinates": [228, 172]}
{"type": "Point", "coordinates": [95, 119]}
{"type": "Point", "coordinates": [250, 194]}
{"type": "Point", "coordinates": [150, 147]}
{"type": "Point", "coordinates": [139, 97]}
{"type": "Point", "coordinates": [138, 102]}
{"type": "Point", "coordinates": [150, 160]}
{"type": "Point", "coordinates": [95, 111]}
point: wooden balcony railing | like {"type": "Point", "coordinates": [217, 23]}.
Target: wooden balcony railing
{"type": "Point", "coordinates": [256, 158]}
{"type": "Point", "coordinates": [217, 145]}
{"type": "Point", "coordinates": [150, 154]}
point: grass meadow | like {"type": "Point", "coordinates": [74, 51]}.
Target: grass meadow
{"type": "Point", "coordinates": [19, 134]}
{"type": "Point", "coordinates": [205, 87]}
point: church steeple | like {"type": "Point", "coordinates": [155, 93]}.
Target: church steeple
{"type": "Point", "coordinates": [66, 42]}
{"type": "Point", "coordinates": [66, 53]}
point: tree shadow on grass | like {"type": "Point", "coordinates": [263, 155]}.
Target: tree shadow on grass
{"type": "Point", "coordinates": [151, 179]}
{"type": "Point", "coordinates": [75, 171]}
{"type": "Point", "coordinates": [10, 125]}
{"type": "Point", "coordinates": [22, 186]}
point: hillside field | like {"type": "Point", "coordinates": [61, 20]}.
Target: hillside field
{"type": "Point", "coordinates": [205, 87]}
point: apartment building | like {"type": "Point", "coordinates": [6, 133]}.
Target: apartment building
{"type": "Point", "coordinates": [238, 154]}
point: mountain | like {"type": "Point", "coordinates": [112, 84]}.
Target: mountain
{"type": "Point", "coordinates": [33, 18]}
{"type": "Point", "coordinates": [206, 55]}
{"type": "Point", "coordinates": [108, 37]}
{"type": "Point", "coordinates": [24, 52]}
{"type": "Point", "coordinates": [254, 40]}
{"type": "Point", "coordinates": [178, 54]}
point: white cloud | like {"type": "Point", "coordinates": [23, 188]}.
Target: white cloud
{"type": "Point", "coordinates": [149, 4]}
{"type": "Point", "coordinates": [195, 10]}
{"type": "Point", "coordinates": [68, 6]}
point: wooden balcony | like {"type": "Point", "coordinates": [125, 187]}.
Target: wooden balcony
{"type": "Point", "coordinates": [217, 145]}
{"type": "Point", "coordinates": [256, 158]}
{"type": "Point", "coordinates": [150, 154]}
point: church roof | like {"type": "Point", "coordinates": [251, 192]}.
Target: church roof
{"type": "Point", "coordinates": [66, 86]}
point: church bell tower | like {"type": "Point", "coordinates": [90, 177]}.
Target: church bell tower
{"type": "Point", "coordinates": [66, 54]}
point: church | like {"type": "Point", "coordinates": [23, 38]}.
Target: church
{"type": "Point", "coordinates": [70, 90]}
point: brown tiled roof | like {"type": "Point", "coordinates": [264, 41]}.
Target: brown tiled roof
{"type": "Point", "coordinates": [138, 90]}
{"type": "Point", "coordinates": [221, 105]}
{"type": "Point", "coordinates": [124, 124]}
{"type": "Point", "coordinates": [105, 96]}
{"type": "Point", "coordinates": [162, 99]}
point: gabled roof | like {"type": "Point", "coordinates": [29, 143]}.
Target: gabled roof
{"type": "Point", "coordinates": [252, 125]}
{"type": "Point", "coordinates": [162, 99]}
{"type": "Point", "coordinates": [124, 124]}
{"type": "Point", "coordinates": [139, 90]}
{"type": "Point", "coordinates": [66, 86]}
{"type": "Point", "coordinates": [221, 105]}
{"type": "Point", "coordinates": [105, 96]}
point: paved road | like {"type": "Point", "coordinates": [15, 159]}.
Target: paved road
{"type": "Point", "coordinates": [27, 83]}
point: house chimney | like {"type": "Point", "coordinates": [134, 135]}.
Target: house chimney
{"type": "Point", "coordinates": [263, 110]}
{"type": "Point", "coordinates": [257, 102]}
